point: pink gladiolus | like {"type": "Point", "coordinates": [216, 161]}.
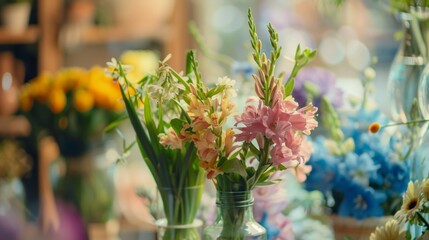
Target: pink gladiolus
{"type": "Point", "coordinates": [309, 112]}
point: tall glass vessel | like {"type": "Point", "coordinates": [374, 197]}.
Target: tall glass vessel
{"type": "Point", "coordinates": [234, 218]}
{"type": "Point", "coordinates": [408, 66]}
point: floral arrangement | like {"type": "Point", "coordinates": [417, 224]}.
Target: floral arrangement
{"type": "Point", "coordinates": [74, 105]}
{"type": "Point", "coordinates": [271, 129]}
{"type": "Point", "coordinates": [154, 111]}
{"type": "Point", "coordinates": [183, 121]}
{"type": "Point", "coordinates": [361, 175]}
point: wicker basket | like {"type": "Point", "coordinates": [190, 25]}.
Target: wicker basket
{"type": "Point", "coordinates": [345, 227]}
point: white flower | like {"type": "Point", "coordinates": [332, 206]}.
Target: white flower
{"type": "Point", "coordinates": [155, 92]}
{"type": "Point", "coordinates": [112, 69]}
{"type": "Point", "coordinates": [228, 85]}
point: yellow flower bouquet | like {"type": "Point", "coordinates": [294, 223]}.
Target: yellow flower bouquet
{"type": "Point", "coordinates": [75, 106]}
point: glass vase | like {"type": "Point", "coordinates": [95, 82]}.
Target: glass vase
{"type": "Point", "coordinates": [234, 219]}
{"type": "Point", "coordinates": [408, 65]}
{"type": "Point", "coordinates": [88, 185]}
{"type": "Point", "coordinates": [12, 210]}
{"type": "Point", "coordinates": [176, 213]}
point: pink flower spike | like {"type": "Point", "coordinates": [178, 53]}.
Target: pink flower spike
{"type": "Point", "coordinates": [309, 113]}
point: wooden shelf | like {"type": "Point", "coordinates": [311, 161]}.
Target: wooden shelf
{"type": "Point", "coordinates": [97, 34]}
{"type": "Point", "coordinates": [30, 35]}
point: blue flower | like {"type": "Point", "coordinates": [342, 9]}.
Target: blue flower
{"type": "Point", "coordinates": [324, 167]}
{"type": "Point", "coordinates": [358, 168]}
{"type": "Point", "coordinates": [364, 180]}
{"type": "Point", "coordinates": [397, 178]}
{"type": "Point", "coordinates": [272, 231]}
{"type": "Point", "coordinates": [361, 202]}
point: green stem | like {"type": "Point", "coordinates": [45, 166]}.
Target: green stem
{"type": "Point", "coordinates": [263, 162]}
{"type": "Point", "coordinates": [422, 219]}
{"type": "Point", "coordinates": [405, 123]}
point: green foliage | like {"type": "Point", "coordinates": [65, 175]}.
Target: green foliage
{"type": "Point", "coordinates": [174, 170]}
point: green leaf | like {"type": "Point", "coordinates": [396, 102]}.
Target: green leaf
{"type": "Point", "coordinates": [281, 167]}
{"type": "Point", "coordinates": [251, 173]}
{"type": "Point", "coordinates": [189, 62]}
{"type": "Point", "coordinates": [214, 91]}
{"type": "Point", "coordinates": [253, 149]}
{"type": "Point", "coordinates": [222, 160]}
{"type": "Point", "coordinates": [267, 183]}
{"type": "Point", "coordinates": [183, 110]}
{"type": "Point", "coordinates": [128, 148]}
{"type": "Point", "coordinates": [150, 125]}
{"type": "Point", "coordinates": [177, 124]}
{"type": "Point", "coordinates": [234, 166]}
{"type": "Point", "coordinates": [115, 124]}
{"type": "Point", "coordinates": [290, 84]}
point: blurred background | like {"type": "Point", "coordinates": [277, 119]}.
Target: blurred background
{"type": "Point", "coordinates": [47, 36]}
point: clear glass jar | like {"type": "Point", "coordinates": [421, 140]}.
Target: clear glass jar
{"type": "Point", "coordinates": [176, 212]}
{"type": "Point", "coordinates": [407, 66]}
{"type": "Point", "coordinates": [234, 219]}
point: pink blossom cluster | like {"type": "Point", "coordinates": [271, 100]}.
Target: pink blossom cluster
{"type": "Point", "coordinates": [284, 124]}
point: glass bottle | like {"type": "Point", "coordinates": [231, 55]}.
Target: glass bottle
{"type": "Point", "coordinates": [234, 218]}
{"type": "Point", "coordinates": [407, 66]}
{"type": "Point", "coordinates": [176, 213]}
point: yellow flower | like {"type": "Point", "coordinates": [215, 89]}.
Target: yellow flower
{"type": "Point", "coordinates": [39, 87]}
{"type": "Point", "coordinates": [70, 78]}
{"type": "Point", "coordinates": [390, 231]}
{"type": "Point", "coordinates": [57, 100]}
{"type": "Point", "coordinates": [410, 202]}
{"type": "Point", "coordinates": [82, 100]}
{"type": "Point", "coordinates": [25, 100]}
{"type": "Point", "coordinates": [142, 62]}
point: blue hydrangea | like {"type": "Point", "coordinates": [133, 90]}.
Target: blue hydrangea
{"type": "Point", "coordinates": [361, 202]}
{"type": "Point", "coordinates": [362, 181]}
{"type": "Point", "coordinates": [324, 168]}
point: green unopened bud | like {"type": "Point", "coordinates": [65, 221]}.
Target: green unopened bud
{"type": "Point", "coordinates": [264, 58]}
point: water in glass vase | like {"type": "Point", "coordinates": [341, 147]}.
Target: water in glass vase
{"type": "Point", "coordinates": [234, 218]}
{"type": "Point", "coordinates": [408, 66]}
